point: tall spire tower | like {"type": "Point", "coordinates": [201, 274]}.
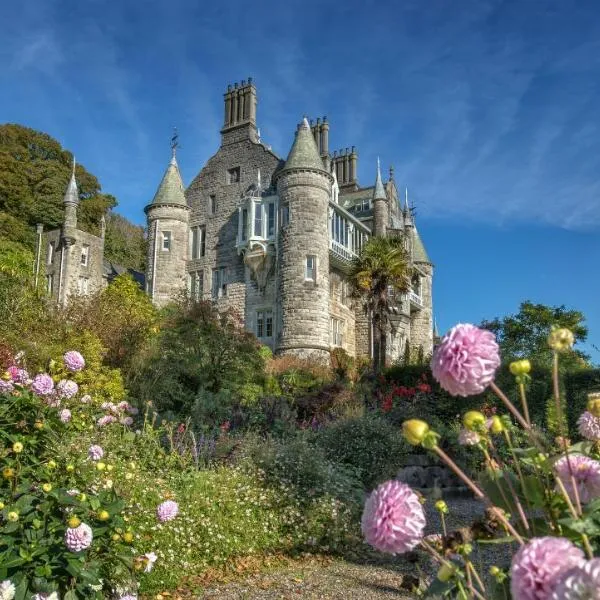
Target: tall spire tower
{"type": "Point", "coordinates": [380, 205]}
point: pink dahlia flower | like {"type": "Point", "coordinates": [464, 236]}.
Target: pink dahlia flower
{"type": "Point", "coordinates": [167, 511]}
{"type": "Point", "coordinates": [66, 388]}
{"type": "Point", "coordinates": [589, 426]}
{"type": "Point", "coordinates": [579, 583]}
{"type": "Point", "coordinates": [85, 399]}
{"type": "Point", "coordinates": [465, 361]}
{"type": "Point", "coordinates": [95, 452]}
{"type": "Point", "coordinates": [393, 519]}
{"type": "Point", "coordinates": [42, 384]}
{"type": "Point", "coordinates": [537, 565]}
{"type": "Point", "coordinates": [65, 415]}
{"type": "Point", "coordinates": [6, 386]}
{"type": "Point", "coordinates": [132, 410]}
{"type": "Point", "coordinates": [466, 437]}
{"type": "Point", "coordinates": [105, 420]}
{"type": "Point", "coordinates": [79, 538]}
{"type": "Point", "coordinates": [124, 405]}
{"type": "Point", "coordinates": [586, 474]}
{"type": "Point", "coordinates": [73, 360]}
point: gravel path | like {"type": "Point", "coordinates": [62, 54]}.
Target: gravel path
{"type": "Point", "coordinates": [364, 579]}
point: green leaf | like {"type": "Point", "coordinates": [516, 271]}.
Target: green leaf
{"type": "Point", "coordinates": [70, 595]}
{"type": "Point", "coordinates": [534, 491]}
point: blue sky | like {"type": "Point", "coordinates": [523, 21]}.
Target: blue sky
{"type": "Point", "coordinates": [489, 111]}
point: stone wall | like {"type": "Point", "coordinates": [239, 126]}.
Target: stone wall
{"type": "Point", "coordinates": [421, 328]}
{"type": "Point", "coordinates": [340, 307]}
{"type": "Point", "coordinates": [167, 268]}
{"type": "Point", "coordinates": [222, 226]}
{"type": "Point", "coordinates": [304, 304]}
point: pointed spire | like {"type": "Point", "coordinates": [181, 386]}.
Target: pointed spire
{"type": "Point", "coordinates": [72, 193]}
{"type": "Point", "coordinates": [379, 191]}
{"type": "Point", "coordinates": [174, 144]}
{"type": "Point", "coordinates": [171, 190]}
{"type": "Point", "coordinates": [304, 153]}
{"type": "Point", "coordinates": [406, 207]}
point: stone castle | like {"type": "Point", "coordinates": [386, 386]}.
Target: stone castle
{"type": "Point", "coordinates": [271, 238]}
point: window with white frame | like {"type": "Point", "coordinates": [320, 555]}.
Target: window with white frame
{"type": "Point", "coordinates": [197, 241]}
{"type": "Point", "coordinates": [336, 332]}
{"type": "Point", "coordinates": [83, 286]}
{"type": "Point", "coordinates": [219, 282]}
{"type": "Point", "coordinates": [166, 241]}
{"type": "Point", "coordinates": [244, 232]}
{"type": "Point", "coordinates": [311, 268]}
{"type": "Point", "coordinates": [264, 323]}
{"type": "Point", "coordinates": [85, 255]}
{"type": "Point", "coordinates": [258, 220]}
{"type": "Point", "coordinates": [50, 256]}
{"type": "Point", "coordinates": [196, 284]}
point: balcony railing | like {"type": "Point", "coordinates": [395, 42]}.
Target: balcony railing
{"type": "Point", "coordinates": [415, 299]}
{"type": "Point", "coordinates": [341, 251]}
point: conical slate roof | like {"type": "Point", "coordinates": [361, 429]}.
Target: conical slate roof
{"type": "Point", "coordinates": [379, 190]}
{"type": "Point", "coordinates": [72, 193]}
{"type": "Point", "coordinates": [419, 252]}
{"type": "Point", "coordinates": [304, 153]}
{"type": "Point", "coordinates": [170, 190]}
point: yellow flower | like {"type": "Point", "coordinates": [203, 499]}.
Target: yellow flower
{"type": "Point", "coordinates": [497, 425]}
{"type": "Point", "coordinates": [128, 537]}
{"type": "Point", "coordinates": [6, 376]}
{"type": "Point", "coordinates": [441, 506]}
{"type": "Point", "coordinates": [51, 464]}
{"type": "Point", "coordinates": [128, 476]}
{"type": "Point", "coordinates": [116, 537]}
{"type": "Point", "coordinates": [100, 466]}
{"type": "Point", "coordinates": [474, 420]}
{"type": "Point", "coordinates": [110, 467]}
{"type": "Point", "coordinates": [103, 515]}
{"type": "Point", "coordinates": [520, 367]}
{"type": "Point", "coordinates": [414, 431]}
{"type": "Point", "coordinates": [82, 497]}
{"type": "Point", "coordinates": [47, 487]}
{"type": "Point", "coordinates": [1, 505]}
{"type": "Point", "coordinates": [8, 473]}
{"type": "Point", "coordinates": [17, 447]}
{"type": "Point", "coordinates": [561, 339]}
{"type": "Point", "coordinates": [74, 522]}
{"type": "Point", "coordinates": [13, 516]}
{"type": "Point", "coordinates": [38, 425]}
{"type": "Point", "coordinates": [70, 468]}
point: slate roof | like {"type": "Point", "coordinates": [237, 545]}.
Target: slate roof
{"type": "Point", "coordinates": [419, 253]}
{"type": "Point", "coordinates": [111, 270]}
{"type": "Point", "coordinates": [170, 190]}
{"type": "Point", "coordinates": [304, 153]}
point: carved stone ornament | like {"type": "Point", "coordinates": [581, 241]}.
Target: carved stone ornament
{"type": "Point", "coordinates": [260, 260]}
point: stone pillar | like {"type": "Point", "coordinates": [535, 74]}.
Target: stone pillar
{"type": "Point", "coordinates": [325, 137]}
{"type": "Point", "coordinates": [353, 157]}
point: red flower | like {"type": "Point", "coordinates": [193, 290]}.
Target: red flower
{"type": "Point", "coordinates": [387, 403]}
{"type": "Point", "coordinates": [225, 426]}
{"type": "Point", "coordinates": [181, 428]}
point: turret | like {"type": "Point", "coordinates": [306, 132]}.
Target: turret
{"type": "Point", "coordinates": [304, 189]}
{"type": "Point", "coordinates": [167, 220]}
{"type": "Point", "coordinates": [381, 213]}
{"type": "Point", "coordinates": [68, 236]}
{"type": "Point", "coordinates": [71, 202]}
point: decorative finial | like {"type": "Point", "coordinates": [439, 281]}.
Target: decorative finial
{"type": "Point", "coordinates": [258, 135]}
{"type": "Point", "coordinates": [174, 142]}
{"type": "Point", "coordinates": [74, 163]}
{"type": "Point", "coordinates": [305, 124]}
{"type": "Point", "coordinates": [378, 166]}
{"type": "Point", "coordinates": [391, 172]}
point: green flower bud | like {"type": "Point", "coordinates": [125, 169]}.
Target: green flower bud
{"type": "Point", "coordinates": [474, 420]}
{"type": "Point", "coordinates": [446, 572]}
{"type": "Point", "coordinates": [520, 367]}
{"type": "Point", "coordinates": [441, 507]}
{"type": "Point", "coordinates": [497, 426]}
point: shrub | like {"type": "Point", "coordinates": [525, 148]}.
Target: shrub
{"type": "Point", "coordinates": [370, 445]}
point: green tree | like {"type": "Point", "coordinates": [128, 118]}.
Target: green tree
{"type": "Point", "coordinates": [198, 349]}
{"type": "Point", "coordinates": [524, 335]}
{"type": "Point", "coordinates": [34, 173]}
{"type": "Point", "coordinates": [383, 265]}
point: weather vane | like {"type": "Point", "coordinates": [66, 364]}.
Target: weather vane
{"type": "Point", "coordinates": [174, 141]}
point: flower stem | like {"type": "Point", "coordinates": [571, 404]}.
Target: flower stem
{"type": "Point", "coordinates": [478, 493]}
{"type": "Point", "coordinates": [524, 402]}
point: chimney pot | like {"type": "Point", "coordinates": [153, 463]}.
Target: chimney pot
{"type": "Point", "coordinates": [318, 120]}
{"type": "Point", "coordinates": [243, 82]}
{"type": "Point", "coordinates": [229, 88]}
{"type": "Point", "coordinates": [235, 85]}
{"type": "Point", "coordinates": [249, 80]}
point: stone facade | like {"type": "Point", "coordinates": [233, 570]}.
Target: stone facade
{"type": "Point", "coordinates": [273, 239]}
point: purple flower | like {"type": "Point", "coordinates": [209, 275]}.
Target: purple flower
{"type": "Point", "coordinates": [466, 437]}
{"type": "Point", "coordinates": [465, 361]}
{"type": "Point", "coordinates": [18, 375]}
{"type": "Point", "coordinates": [393, 518]}
{"type": "Point", "coordinates": [537, 565]}
{"type": "Point", "coordinates": [85, 399]}
{"type": "Point", "coordinates": [126, 421]}
{"type": "Point", "coordinates": [42, 384]}
{"type": "Point", "coordinates": [74, 361]}
{"type": "Point", "coordinates": [79, 538]}
{"type": "Point", "coordinates": [66, 388]}
{"type": "Point", "coordinates": [132, 410]}
{"type": "Point", "coordinates": [65, 415]}
{"type": "Point", "coordinates": [52, 400]}
{"type": "Point", "coordinates": [589, 426]}
{"type": "Point", "coordinates": [95, 452]}
{"type": "Point", "coordinates": [579, 583]}
{"type": "Point", "coordinates": [6, 386]}
{"type": "Point", "coordinates": [105, 420]}
{"type": "Point", "coordinates": [124, 405]}
{"type": "Point", "coordinates": [586, 475]}
{"type": "Point", "coordinates": [167, 511]}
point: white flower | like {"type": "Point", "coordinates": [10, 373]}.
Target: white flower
{"type": "Point", "coordinates": [7, 590]}
{"type": "Point", "coordinates": [150, 560]}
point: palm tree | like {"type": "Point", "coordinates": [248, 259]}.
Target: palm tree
{"type": "Point", "coordinates": [383, 265]}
